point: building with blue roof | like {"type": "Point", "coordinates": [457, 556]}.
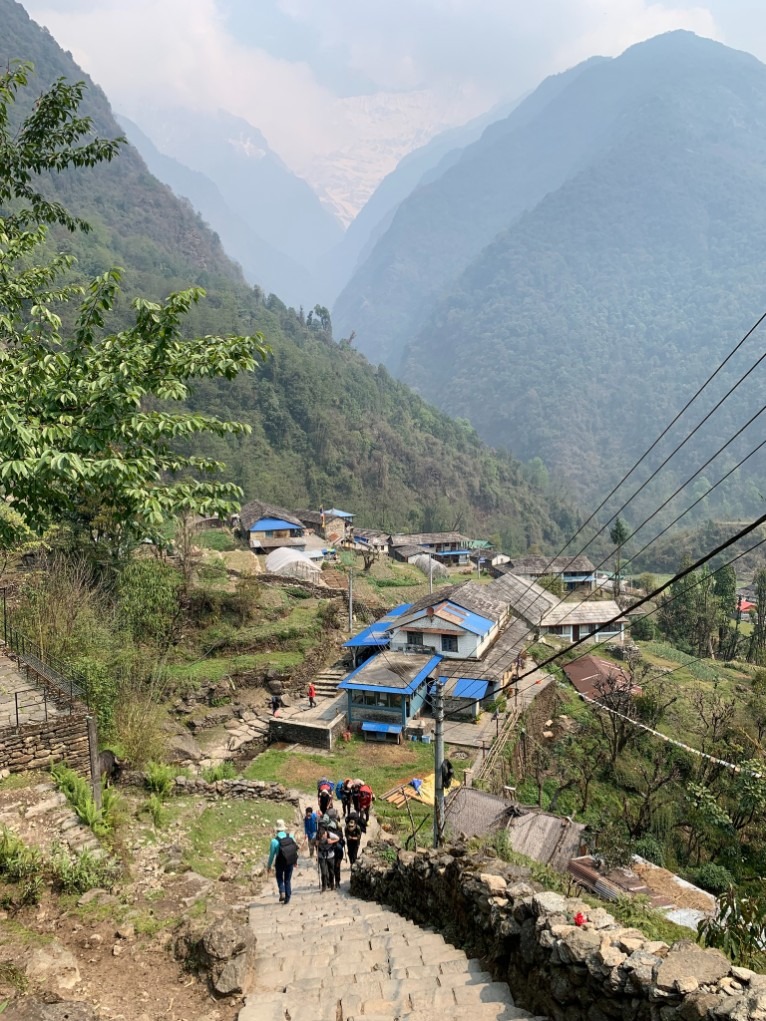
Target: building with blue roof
{"type": "Point", "coordinates": [387, 691]}
{"type": "Point", "coordinates": [269, 527]}
{"type": "Point", "coordinates": [445, 627]}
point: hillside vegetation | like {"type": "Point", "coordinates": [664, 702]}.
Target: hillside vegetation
{"type": "Point", "coordinates": [327, 426]}
{"type": "Point", "coordinates": [590, 259]}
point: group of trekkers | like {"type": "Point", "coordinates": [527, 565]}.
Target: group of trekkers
{"type": "Point", "coordinates": [326, 837]}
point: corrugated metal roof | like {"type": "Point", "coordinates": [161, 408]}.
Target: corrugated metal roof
{"type": "Point", "coordinates": [525, 598]}
{"type": "Point", "coordinates": [255, 509]}
{"type": "Point", "coordinates": [466, 687]}
{"type": "Point", "coordinates": [397, 672]}
{"type": "Point", "coordinates": [540, 566]}
{"type": "Point", "coordinates": [377, 633]}
{"type": "Point", "coordinates": [333, 512]}
{"type": "Point", "coordinates": [382, 728]}
{"type": "Point", "coordinates": [592, 611]}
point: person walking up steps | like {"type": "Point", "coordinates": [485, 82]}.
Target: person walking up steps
{"type": "Point", "coordinates": [326, 841]}
{"type": "Point", "coordinates": [353, 838]}
{"type": "Point", "coordinates": [310, 827]}
{"type": "Point", "coordinates": [284, 854]}
{"type": "Point", "coordinates": [312, 695]}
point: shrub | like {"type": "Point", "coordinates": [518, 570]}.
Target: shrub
{"type": "Point", "coordinates": [79, 795]}
{"type": "Point", "coordinates": [21, 865]}
{"type": "Point", "coordinates": [160, 778]}
{"type": "Point", "coordinates": [156, 809]}
{"type": "Point", "coordinates": [644, 630]}
{"type": "Point", "coordinates": [138, 720]}
{"type": "Point", "coordinates": [148, 600]}
{"type": "Point", "coordinates": [78, 873]}
{"type": "Point", "coordinates": [222, 771]}
{"type": "Point", "coordinates": [738, 929]}
{"type": "Point", "coordinates": [650, 848]}
{"type": "Point", "coordinates": [713, 878]}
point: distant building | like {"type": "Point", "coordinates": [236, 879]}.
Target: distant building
{"type": "Point", "coordinates": [596, 678]}
{"type": "Point", "coordinates": [449, 548]}
{"type": "Point", "coordinates": [269, 527]}
{"type": "Point", "coordinates": [574, 572]}
{"type": "Point", "coordinates": [334, 525]}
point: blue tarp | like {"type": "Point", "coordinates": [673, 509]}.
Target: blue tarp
{"type": "Point", "coordinates": [382, 728]}
{"type": "Point", "coordinates": [273, 524]}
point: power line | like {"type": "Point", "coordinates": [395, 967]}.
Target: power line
{"type": "Point", "coordinates": [650, 597]}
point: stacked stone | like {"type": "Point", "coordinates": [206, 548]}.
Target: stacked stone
{"type": "Point", "coordinates": [560, 956]}
{"type": "Point", "coordinates": [41, 745]}
{"type": "Point", "coordinates": [247, 730]}
{"type": "Point", "coordinates": [260, 790]}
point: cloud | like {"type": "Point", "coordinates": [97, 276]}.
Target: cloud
{"type": "Point", "coordinates": [284, 65]}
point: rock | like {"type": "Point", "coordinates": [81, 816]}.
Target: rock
{"type": "Point", "coordinates": [102, 896]}
{"type": "Point", "coordinates": [696, 1005]}
{"type": "Point", "coordinates": [54, 966]}
{"type": "Point", "coordinates": [235, 976]}
{"type": "Point", "coordinates": [126, 931]}
{"type": "Point", "coordinates": [547, 903]}
{"type": "Point", "coordinates": [116, 950]}
{"type": "Point", "coordinates": [226, 938]}
{"type": "Point", "coordinates": [686, 960]}
{"type": "Point", "coordinates": [599, 918]}
{"type": "Point", "coordinates": [686, 985]}
{"type": "Point", "coordinates": [183, 748]}
{"type": "Point", "coordinates": [30, 1009]}
{"type": "Point", "coordinates": [742, 974]}
{"type": "Point", "coordinates": [579, 944]}
{"type": "Point", "coordinates": [628, 944]}
{"type": "Point", "coordinates": [495, 884]}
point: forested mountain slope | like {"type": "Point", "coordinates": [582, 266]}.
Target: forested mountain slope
{"type": "Point", "coordinates": [436, 232]}
{"type": "Point", "coordinates": [627, 254]}
{"type": "Point", "coordinates": [600, 311]}
{"type": "Point", "coordinates": [327, 426]}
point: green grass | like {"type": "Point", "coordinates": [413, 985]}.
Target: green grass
{"type": "Point", "coordinates": [381, 765]}
{"type": "Point", "coordinates": [218, 539]}
{"type": "Point", "coordinates": [19, 781]}
{"type": "Point", "coordinates": [240, 827]}
{"type": "Point", "coordinates": [213, 669]}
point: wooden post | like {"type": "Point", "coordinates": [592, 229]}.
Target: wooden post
{"type": "Point", "coordinates": [95, 772]}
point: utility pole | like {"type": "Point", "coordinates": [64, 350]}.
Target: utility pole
{"type": "Point", "coordinates": [351, 600]}
{"type": "Point", "coordinates": [438, 697]}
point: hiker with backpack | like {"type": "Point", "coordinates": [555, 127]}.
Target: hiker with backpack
{"type": "Point", "coordinates": [283, 854]}
{"type": "Point", "coordinates": [366, 798]}
{"type": "Point", "coordinates": [326, 842]}
{"type": "Point", "coordinates": [345, 796]}
{"type": "Point", "coordinates": [353, 837]}
{"type": "Point", "coordinates": [325, 791]}
{"type": "Point", "coordinates": [310, 827]}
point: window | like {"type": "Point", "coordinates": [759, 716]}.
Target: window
{"type": "Point", "coordinates": [270, 534]}
{"type": "Point", "coordinates": [449, 643]}
{"type": "Point", "coordinates": [414, 638]}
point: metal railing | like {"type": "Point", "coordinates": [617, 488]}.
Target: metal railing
{"type": "Point", "coordinates": [28, 703]}
{"type": "Point", "coordinates": [60, 682]}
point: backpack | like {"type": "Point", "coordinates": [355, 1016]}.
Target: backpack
{"type": "Point", "coordinates": [339, 789]}
{"type": "Point", "coordinates": [365, 796]}
{"type": "Point", "coordinates": [324, 783]}
{"type": "Point", "coordinates": [288, 850]}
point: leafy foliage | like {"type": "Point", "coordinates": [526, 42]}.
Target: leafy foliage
{"type": "Point", "coordinates": [739, 927]}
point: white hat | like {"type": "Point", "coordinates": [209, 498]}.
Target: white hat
{"type": "Point", "coordinates": [280, 825]}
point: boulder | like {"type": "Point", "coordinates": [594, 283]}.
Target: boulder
{"type": "Point", "coordinates": [30, 1009]}
{"type": "Point", "coordinates": [687, 961]}
{"type": "Point", "coordinates": [183, 748]}
{"type": "Point", "coordinates": [54, 966]}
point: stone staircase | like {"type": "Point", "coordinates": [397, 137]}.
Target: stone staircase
{"type": "Point", "coordinates": [330, 957]}
{"type": "Point", "coordinates": [327, 680]}
{"type": "Point", "coordinates": [42, 816]}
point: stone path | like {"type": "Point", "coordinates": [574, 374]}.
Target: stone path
{"type": "Point", "coordinates": [17, 693]}
{"type": "Point", "coordinates": [42, 816]}
{"type": "Point", "coordinates": [331, 957]}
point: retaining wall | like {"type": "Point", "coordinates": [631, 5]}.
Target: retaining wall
{"type": "Point", "coordinates": [315, 735]}
{"type": "Point", "coordinates": [561, 957]}
{"type": "Point", "coordinates": [41, 745]}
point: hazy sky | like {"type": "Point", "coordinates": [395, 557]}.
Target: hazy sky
{"type": "Point", "coordinates": [294, 67]}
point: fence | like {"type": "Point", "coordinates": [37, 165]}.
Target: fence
{"type": "Point", "coordinates": [60, 682]}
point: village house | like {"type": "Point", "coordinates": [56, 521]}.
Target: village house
{"type": "Point", "coordinates": [484, 559]}
{"type": "Point", "coordinates": [268, 527]}
{"type": "Point", "coordinates": [386, 692]}
{"type": "Point", "coordinates": [598, 679]}
{"type": "Point", "coordinates": [450, 548]}
{"type": "Point", "coordinates": [462, 632]}
{"type": "Point", "coordinates": [573, 572]}
{"type": "Point", "coordinates": [548, 614]}
{"type": "Point", "coordinates": [334, 526]}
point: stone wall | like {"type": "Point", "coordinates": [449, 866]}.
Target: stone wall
{"type": "Point", "coordinates": [294, 730]}
{"type": "Point", "coordinates": [41, 745]}
{"type": "Point", "coordinates": [261, 790]}
{"type": "Point", "coordinates": [561, 957]}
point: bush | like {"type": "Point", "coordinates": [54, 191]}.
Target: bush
{"type": "Point", "coordinates": [155, 807]}
{"type": "Point", "coordinates": [148, 600]}
{"type": "Point", "coordinates": [21, 865]}
{"type": "Point", "coordinates": [160, 778]}
{"type": "Point", "coordinates": [138, 720]}
{"type": "Point", "coordinates": [738, 928]}
{"type": "Point", "coordinates": [644, 630]}
{"type": "Point", "coordinates": [650, 848]}
{"type": "Point", "coordinates": [223, 771]}
{"type": "Point", "coordinates": [713, 878]}
{"type": "Point", "coordinates": [78, 873]}
{"type": "Point", "coordinates": [78, 793]}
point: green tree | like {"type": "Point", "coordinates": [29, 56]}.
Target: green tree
{"type": "Point", "coordinates": [757, 650]}
{"type": "Point", "coordinates": [619, 533]}
{"type": "Point", "coordinates": [87, 436]}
